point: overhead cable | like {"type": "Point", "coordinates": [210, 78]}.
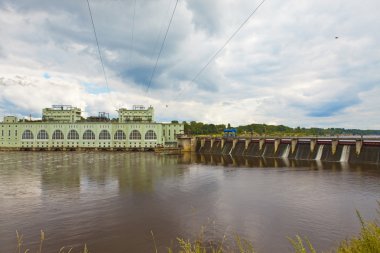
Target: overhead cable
{"type": "Point", "coordinates": [225, 44]}
{"type": "Point", "coordinates": [133, 29]}
{"type": "Point", "coordinates": [161, 28]}
{"type": "Point", "coordinates": [97, 43]}
{"type": "Point", "coordinates": [162, 46]}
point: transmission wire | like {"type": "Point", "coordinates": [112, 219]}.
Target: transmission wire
{"type": "Point", "coordinates": [162, 46]}
{"type": "Point", "coordinates": [225, 44]}
{"type": "Point", "coordinates": [133, 30]}
{"type": "Point", "coordinates": [97, 43]}
{"type": "Point", "coordinates": [161, 28]}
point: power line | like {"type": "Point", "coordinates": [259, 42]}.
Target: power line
{"type": "Point", "coordinates": [97, 43]}
{"type": "Point", "coordinates": [161, 28]}
{"type": "Point", "coordinates": [162, 46]}
{"type": "Point", "coordinates": [133, 30]}
{"type": "Point", "coordinates": [225, 44]}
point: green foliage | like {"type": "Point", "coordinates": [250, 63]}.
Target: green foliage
{"type": "Point", "coordinates": [299, 247]}
{"type": "Point", "coordinates": [368, 240]}
{"type": "Point", "coordinates": [20, 245]}
{"type": "Point", "coordinates": [200, 246]}
{"type": "Point", "coordinates": [199, 128]}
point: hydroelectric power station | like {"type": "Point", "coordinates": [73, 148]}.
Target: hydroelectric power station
{"type": "Point", "coordinates": [62, 127]}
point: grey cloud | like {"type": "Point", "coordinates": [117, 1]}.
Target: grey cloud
{"type": "Point", "coordinates": [285, 59]}
{"type": "Point", "coordinates": [2, 53]}
{"type": "Point", "coordinates": [206, 15]}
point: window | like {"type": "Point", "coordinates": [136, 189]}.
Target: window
{"type": "Point", "coordinates": [119, 135]}
{"type": "Point", "coordinates": [42, 135]}
{"type": "Point", "coordinates": [150, 135]}
{"type": "Point", "coordinates": [88, 135]}
{"type": "Point", "coordinates": [58, 135]}
{"type": "Point", "coordinates": [73, 135]}
{"type": "Point", "coordinates": [27, 135]}
{"type": "Point", "coordinates": [135, 135]}
{"type": "Point", "coordinates": [104, 135]}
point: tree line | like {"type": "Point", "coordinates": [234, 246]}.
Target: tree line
{"type": "Point", "coordinates": [199, 128]}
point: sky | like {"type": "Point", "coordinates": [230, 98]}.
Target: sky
{"type": "Point", "coordinates": [296, 63]}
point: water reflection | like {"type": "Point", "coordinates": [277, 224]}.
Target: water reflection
{"type": "Point", "coordinates": [112, 200]}
{"type": "Point", "coordinates": [261, 162]}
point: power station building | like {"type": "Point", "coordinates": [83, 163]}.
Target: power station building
{"type": "Point", "coordinates": [63, 128]}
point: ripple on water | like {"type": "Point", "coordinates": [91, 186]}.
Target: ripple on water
{"type": "Point", "coordinates": [113, 200]}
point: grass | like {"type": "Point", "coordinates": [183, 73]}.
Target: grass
{"type": "Point", "coordinates": [20, 245]}
{"type": "Point", "coordinates": [240, 246]}
{"type": "Point", "coordinates": [368, 241]}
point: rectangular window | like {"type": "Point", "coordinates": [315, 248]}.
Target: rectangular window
{"type": "Point", "coordinates": [15, 132]}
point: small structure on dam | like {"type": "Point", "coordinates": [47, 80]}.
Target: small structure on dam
{"type": "Point", "coordinates": [330, 149]}
{"type": "Point", "coordinates": [63, 128]}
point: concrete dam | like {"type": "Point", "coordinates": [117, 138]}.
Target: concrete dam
{"type": "Point", "coordinates": [353, 150]}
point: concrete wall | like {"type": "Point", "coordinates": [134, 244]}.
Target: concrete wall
{"type": "Point", "coordinates": [11, 135]}
{"type": "Point", "coordinates": [323, 149]}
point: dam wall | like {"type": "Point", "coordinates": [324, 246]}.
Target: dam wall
{"type": "Point", "coordinates": [227, 147]}
{"type": "Point", "coordinates": [326, 149]}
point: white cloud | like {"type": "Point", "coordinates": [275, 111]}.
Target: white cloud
{"type": "Point", "coordinates": [284, 67]}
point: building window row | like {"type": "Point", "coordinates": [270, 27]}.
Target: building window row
{"type": "Point", "coordinates": [89, 135]}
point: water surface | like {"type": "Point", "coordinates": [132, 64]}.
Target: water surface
{"type": "Point", "coordinates": [112, 201]}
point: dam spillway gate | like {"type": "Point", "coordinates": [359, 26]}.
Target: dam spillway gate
{"type": "Point", "coordinates": [363, 150]}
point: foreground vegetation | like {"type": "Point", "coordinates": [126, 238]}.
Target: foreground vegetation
{"type": "Point", "coordinates": [368, 241]}
{"type": "Point", "coordinates": [199, 128]}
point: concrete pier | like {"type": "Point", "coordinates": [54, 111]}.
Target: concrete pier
{"type": "Point", "coordinates": [332, 149]}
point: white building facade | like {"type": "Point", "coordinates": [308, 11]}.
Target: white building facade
{"type": "Point", "coordinates": [57, 134]}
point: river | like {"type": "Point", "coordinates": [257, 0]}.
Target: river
{"type": "Point", "coordinates": [113, 201]}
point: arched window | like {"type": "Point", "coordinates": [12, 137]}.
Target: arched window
{"type": "Point", "coordinates": [73, 135]}
{"type": "Point", "coordinates": [27, 135]}
{"type": "Point", "coordinates": [104, 135]}
{"type": "Point", "coordinates": [150, 135]}
{"type": "Point", "coordinates": [42, 135]}
{"type": "Point", "coordinates": [88, 135]}
{"type": "Point", "coordinates": [120, 135]}
{"type": "Point", "coordinates": [58, 135]}
{"type": "Point", "coordinates": [135, 135]}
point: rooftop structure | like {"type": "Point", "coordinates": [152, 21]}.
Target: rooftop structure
{"type": "Point", "coordinates": [62, 113]}
{"type": "Point", "coordinates": [10, 119]}
{"type": "Point", "coordinates": [137, 114]}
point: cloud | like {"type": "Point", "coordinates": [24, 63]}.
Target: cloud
{"type": "Point", "coordinates": [284, 66]}
{"type": "Point", "coordinates": [206, 15]}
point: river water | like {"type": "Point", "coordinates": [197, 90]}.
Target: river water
{"type": "Point", "coordinates": [114, 201]}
